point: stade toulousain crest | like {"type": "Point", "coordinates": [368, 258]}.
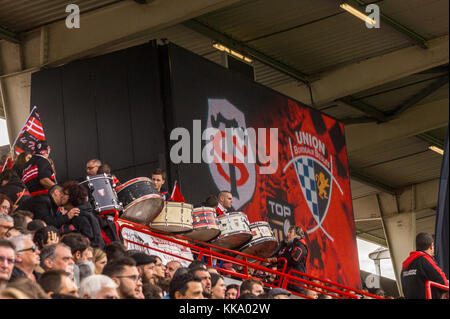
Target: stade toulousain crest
{"type": "Point", "coordinates": [238, 175]}
{"type": "Point", "coordinates": [315, 175]}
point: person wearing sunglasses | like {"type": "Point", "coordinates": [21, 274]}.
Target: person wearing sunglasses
{"type": "Point", "coordinates": [27, 257]}
{"type": "Point", "coordinates": [7, 261]}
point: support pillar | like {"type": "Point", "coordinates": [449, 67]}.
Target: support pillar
{"type": "Point", "coordinates": [400, 233]}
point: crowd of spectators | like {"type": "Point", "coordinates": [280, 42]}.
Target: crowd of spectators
{"type": "Point", "coordinates": [53, 246]}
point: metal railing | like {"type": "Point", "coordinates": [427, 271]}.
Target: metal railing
{"type": "Point", "coordinates": [285, 280]}
{"type": "Point", "coordinates": [429, 284]}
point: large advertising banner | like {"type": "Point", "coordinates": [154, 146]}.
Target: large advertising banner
{"type": "Point", "coordinates": [283, 162]}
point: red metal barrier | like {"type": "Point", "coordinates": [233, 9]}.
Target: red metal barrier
{"type": "Point", "coordinates": [430, 284]}
{"type": "Point", "coordinates": [203, 249]}
{"type": "Point", "coordinates": [344, 292]}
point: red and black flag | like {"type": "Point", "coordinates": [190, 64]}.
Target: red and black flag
{"type": "Point", "coordinates": [31, 133]}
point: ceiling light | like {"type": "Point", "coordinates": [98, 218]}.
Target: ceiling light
{"type": "Point", "coordinates": [357, 13]}
{"type": "Point", "coordinates": [238, 55]}
{"type": "Point", "coordinates": [436, 149]}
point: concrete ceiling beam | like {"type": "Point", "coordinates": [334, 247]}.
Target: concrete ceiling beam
{"type": "Point", "coordinates": [414, 121]}
{"type": "Point", "coordinates": [112, 25]}
{"type": "Point", "coordinates": [363, 75]}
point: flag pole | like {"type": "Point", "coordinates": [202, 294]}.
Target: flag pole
{"type": "Point", "coordinates": [15, 141]}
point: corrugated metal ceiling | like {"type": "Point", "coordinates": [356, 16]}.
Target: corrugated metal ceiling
{"type": "Point", "coordinates": [428, 18]}
{"type": "Point", "coordinates": [24, 15]}
{"type": "Point", "coordinates": [314, 36]}
{"type": "Point", "coordinates": [414, 169]}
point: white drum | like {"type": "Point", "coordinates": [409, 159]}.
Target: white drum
{"type": "Point", "coordinates": [175, 217]}
{"type": "Point", "coordinates": [234, 230]}
{"type": "Point", "coordinates": [263, 243]}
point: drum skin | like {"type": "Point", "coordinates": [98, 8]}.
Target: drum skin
{"type": "Point", "coordinates": [174, 218]}
{"type": "Point", "coordinates": [144, 210]}
{"type": "Point", "coordinates": [263, 243]}
{"type": "Point", "coordinates": [234, 231]}
{"type": "Point", "coordinates": [205, 224]}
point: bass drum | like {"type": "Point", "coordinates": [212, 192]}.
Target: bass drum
{"type": "Point", "coordinates": [174, 218]}
{"type": "Point", "coordinates": [140, 201]}
{"type": "Point", "coordinates": [263, 243]}
{"type": "Point", "coordinates": [234, 231]}
{"type": "Point", "coordinates": [205, 224]}
{"type": "Point", "coordinates": [134, 189]}
{"type": "Point", "coordinates": [101, 193]}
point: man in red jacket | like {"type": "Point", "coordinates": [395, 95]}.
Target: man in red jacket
{"type": "Point", "coordinates": [419, 268]}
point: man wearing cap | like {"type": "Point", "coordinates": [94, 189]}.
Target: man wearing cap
{"type": "Point", "coordinates": [146, 267]}
{"type": "Point", "coordinates": [295, 250]}
{"type": "Point", "coordinates": [38, 175]}
{"type": "Point", "coordinates": [279, 293]}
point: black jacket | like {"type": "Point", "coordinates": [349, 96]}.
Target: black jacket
{"type": "Point", "coordinates": [44, 208]}
{"type": "Point", "coordinates": [88, 225]}
{"type": "Point", "coordinates": [417, 269]}
{"type": "Point", "coordinates": [18, 273]}
{"type": "Point", "coordinates": [14, 189]}
{"type": "Point", "coordinates": [296, 254]}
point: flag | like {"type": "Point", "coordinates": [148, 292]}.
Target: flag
{"type": "Point", "coordinates": [442, 227]}
{"type": "Point", "coordinates": [176, 194]}
{"type": "Point", "coordinates": [8, 163]}
{"type": "Point", "coordinates": [31, 133]}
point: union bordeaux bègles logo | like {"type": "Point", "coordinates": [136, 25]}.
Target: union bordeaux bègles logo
{"type": "Point", "coordinates": [315, 175]}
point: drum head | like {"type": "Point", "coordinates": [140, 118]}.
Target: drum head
{"type": "Point", "coordinates": [263, 247]}
{"type": "Point", "coordinates": [233, 240]}
{"type": "Point", "coordinates": [205, 234]}
{"type": "Point", "coordinates": [144, 210]}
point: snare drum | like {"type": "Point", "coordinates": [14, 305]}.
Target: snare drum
{"type": "Point", "coordinates": [101, 193]}
{"type": "Point", "coordinates": [174, 218]}
{"type": "Point", "coordinates": [234, 230]}
{"type": "Point", "coordinates": [263, 243]}
{"type": "Point", "coordinates": [205, 224]}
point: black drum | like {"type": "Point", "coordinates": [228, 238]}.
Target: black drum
{"type": "Point", "coordinates": [134, 189]}
{"type": "Point", "coordinates": [141, 202]}
{"type": "Point", "coordinates": [101, 193]}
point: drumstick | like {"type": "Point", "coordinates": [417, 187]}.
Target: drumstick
{"type": "Point", "coordinates": [23, 192]}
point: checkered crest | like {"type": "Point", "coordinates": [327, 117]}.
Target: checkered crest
{"type": "Point", "coordinates": [316, 182]}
